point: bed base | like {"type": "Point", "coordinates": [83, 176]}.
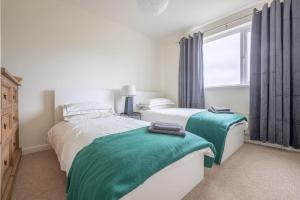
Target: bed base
{"type": "Point", "coordinates": [234, 140]}
{"type": "Point", "coordinates": [173, 182]}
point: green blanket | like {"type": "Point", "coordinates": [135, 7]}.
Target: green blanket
{"type": "Point", "coordinates": [213, 127]}
{"type": "Point", "coordinates": [114, 165]}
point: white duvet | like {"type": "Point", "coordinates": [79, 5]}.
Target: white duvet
{"type": "Point", "coordinates": [68, 138]}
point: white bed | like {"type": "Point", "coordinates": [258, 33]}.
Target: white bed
{"type": "Point", "coordinates": [234, 139]}
{"type": "Point", "coordinates": [67, 138]}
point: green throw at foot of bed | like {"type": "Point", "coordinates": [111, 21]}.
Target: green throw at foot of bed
{"type": "Point", "coordinates": [213, 127]}
{"type": "Point", "coordinates": [112, 166]}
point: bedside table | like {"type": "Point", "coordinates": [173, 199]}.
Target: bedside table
{"type": "Point", "coordinates": [134, 115]}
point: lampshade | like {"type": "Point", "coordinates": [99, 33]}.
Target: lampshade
{"type": "Point", "coordinates": [153, 7]}
{"type": "Point", "coordinates": [128, 90]}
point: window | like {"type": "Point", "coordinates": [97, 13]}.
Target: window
{"type": "Point", "coordinates": [226, 58]}
{"type": "Point", "coordinates": [248, 55]}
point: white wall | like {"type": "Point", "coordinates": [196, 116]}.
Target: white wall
{"type": "Point", "coordinates": [53, 44]}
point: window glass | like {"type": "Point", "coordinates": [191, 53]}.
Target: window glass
{"type": "Point", "coordinates": [248, 55]}
{"type": "Point", "coordinates": [222, 61]}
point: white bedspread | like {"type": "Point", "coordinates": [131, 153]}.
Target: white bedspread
{"type": "Point", "coordinates": [172, 115]}
{"type": "Point", "coordinates": [68, 138]}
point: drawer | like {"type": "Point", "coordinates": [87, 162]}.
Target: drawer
{"type": "Point", "coordinates": [6, 110]}
{"type": "Point", "coordinates": [6, 126]}
{"type": "Point", "coordinates": [15, 95]}
{"type": "Point", "coordinates": [15, 110]}
{"type": "Point", "coordinates": [14, 141]}
{"type": "Point", "coordinates": [15, 121]}
{"type": "Point", "coordinates": [6, 95]}
{"type": "Point", "coordinates": [5, 158]}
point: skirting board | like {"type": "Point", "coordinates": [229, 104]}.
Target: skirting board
{"type": "Point", "coordinates": [37, 148]}
{"type": "Point", "coordinates": [276, 146]}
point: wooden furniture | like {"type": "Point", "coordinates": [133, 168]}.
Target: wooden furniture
{"type": "Point", "coordinates": [9, 137]}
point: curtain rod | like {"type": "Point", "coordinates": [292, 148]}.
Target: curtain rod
{"type": "Point", "coordinates": [187, 34]}
{"type": "Point", "coordinates": [225, 25]}
{"type": "Point", "coordinates": [250, 13]}
{"type": "Point", "coordinates": [216, 27]}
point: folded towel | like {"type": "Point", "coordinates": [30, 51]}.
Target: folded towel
{"type": "Point", "coordinates": [219, 108]}
{"type": "Point", "coordinates": [180, 133]}
{"type": "Point", "coordinates": [219, 112]}
{"type": "Point", "coordinates": [166, 126]}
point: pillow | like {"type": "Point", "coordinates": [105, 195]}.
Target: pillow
{"type": "Point", "coordinates": [90, 109]}
{"type": "Point", "coordinates": [157, 103]}
{"type": "Point", "coordinates": [87, 116]}
{"type": "Point", "coordinates": [141, 107]}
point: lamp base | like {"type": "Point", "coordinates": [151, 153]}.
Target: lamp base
{"type": "Point", "coordinates": [128, 105]}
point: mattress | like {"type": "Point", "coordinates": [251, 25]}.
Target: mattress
{"type": "Point", "coordinates": [68, 138]}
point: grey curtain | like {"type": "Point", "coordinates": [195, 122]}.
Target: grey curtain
{"type": "Point", "coordinates": [191, 90]}
{"type": "Point", "coordinates": [275, 74]}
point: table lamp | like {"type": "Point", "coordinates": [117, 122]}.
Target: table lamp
{"type": "Point", "coordinates": [129, 92]}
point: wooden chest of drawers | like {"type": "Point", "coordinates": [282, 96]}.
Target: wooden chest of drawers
{"type": "Point", "coordinates": [9, 137]}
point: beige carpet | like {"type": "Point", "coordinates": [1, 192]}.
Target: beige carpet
{"type": "Point", "coordinates": [253, 172]}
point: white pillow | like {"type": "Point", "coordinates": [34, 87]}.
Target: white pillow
{"type": "Point", "coordinates": [154, 107]}
{"type": "Point", "coordinates": [90, 109]}
{"type": "Point", "coordinates": [87, 116]}
{"type": "Point", "coordinates": [157, 103]}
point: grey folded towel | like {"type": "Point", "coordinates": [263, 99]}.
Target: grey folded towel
{"type": "Point", "coordinates": [166, 126]}
{"type": "Point", "coordinates": [220, 110]}
{"type": "Point", "coordinates": [180, 133]}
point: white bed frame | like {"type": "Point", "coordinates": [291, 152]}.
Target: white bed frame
{"type": "Point", "coordinates": [235, 136]}
{"type": "Point", "coordinates": [172, 182]}
{"type": "Point", "coordinates": [234, 140]}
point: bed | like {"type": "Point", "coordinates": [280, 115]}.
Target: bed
{"type": "Point", "coordinates": [69, 139]}
{"type": "Point", "coordinates": [235, 135]}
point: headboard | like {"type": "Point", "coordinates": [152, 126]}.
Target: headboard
{"type": "Point", "coordinates": [67, 96]}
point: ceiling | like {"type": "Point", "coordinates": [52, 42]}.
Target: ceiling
{"type": "Point", "coordinates": [180, 15]}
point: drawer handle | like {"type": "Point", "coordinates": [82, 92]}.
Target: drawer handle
{"type": "Point", "coordinates": [4, 96]}
{"type": "Point", "coordinates": [14, 118]}
{"type": "Point", "coordinates": [5, 162]}
{"type": "Point", "coordinates": [14, 144]}
{"type": "Point", "coordinates": [14, 97]}
{"type": "Point", "coordinates": [4, 125]}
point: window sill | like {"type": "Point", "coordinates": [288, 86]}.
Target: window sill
{"type": "Point", "coordinates": [228, 86]}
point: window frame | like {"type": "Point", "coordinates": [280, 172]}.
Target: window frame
{"type": "Point", "coordinates": [243, 30]}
